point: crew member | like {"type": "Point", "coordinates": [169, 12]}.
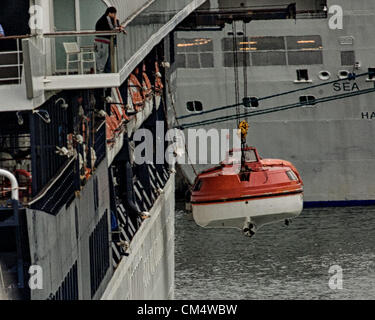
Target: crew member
{"type": "Point", "coordinates": [107, 22]}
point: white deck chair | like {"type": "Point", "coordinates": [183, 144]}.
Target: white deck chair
{"type": "Point", "coordinates": [84, 55]}
{"type": "Point", "coordinates": [72, 49]}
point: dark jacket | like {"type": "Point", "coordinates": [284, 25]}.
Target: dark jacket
{"type": "Point", "coordinates": [103, 25]}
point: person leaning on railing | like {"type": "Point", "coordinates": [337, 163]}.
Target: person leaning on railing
{"type": "Point", "coordinates": [108, 22]}
{"type": "Point", "coordinates": [2, 33]}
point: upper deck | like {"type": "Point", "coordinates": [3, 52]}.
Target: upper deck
{"type": "Point", "coordinates": [34, 62]}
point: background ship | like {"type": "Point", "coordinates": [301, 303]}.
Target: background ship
{"type": "Point", "coordinates": [283, 47]}
{"type": "Point", "coordinates": [67, 136]}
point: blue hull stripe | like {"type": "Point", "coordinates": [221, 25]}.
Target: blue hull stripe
{"type": "Point", "coordinates": [343, 203]}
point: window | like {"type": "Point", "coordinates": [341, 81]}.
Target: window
{"type": "Point", "coordinates": [371, 75]}
{"type": "Point", "coordinates": [195, 53]}
{"type": "Point", "coordinates": [273, 51]}
{"type": "Point", "coordinates": [250, 102]}
{"type": "Point", "coordinates": [297, 58]}
{"type": "Point", "coordinates": [268, 58]}
{"type": "Point", "coordinates": [198, 185]}
{"type": "Point", "coordinates": [308, 100]}
{"type": "Point", "coordinates": [250, 156]}
{"type": "Point", "coordinates": [194, 106]}
{"type": "Point", "coordinates": [302, 75]}
{"type": "Point", "coordinates": [347, 58]}
{"type": "Point", "coordinates": [229, 47]}
{"type": "Point", "coordinates": [304, 50]}
{"type": "Point", "coordinates": [291, 175]}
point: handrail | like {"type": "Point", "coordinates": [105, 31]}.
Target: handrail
{"type": "Point", "coordinates": [80, 33]}
{"type": "Point", "coordinates": [52, 183]}
{"type": "Point", "coordinates": [63, 33]}
{"type": "Point", "coordinates": [17, 37]}
{"type": "Point", "coordinates": [13, 181]}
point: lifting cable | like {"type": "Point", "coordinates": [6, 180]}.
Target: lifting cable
{"type": "Point", "coordinates": [245, 55]}
{"type": "Point", "coordinates": [235, 68]}
{"type": "Point", "coordinates": [277, 109]}
{"type": "Point", "coordinates": [350, 77]}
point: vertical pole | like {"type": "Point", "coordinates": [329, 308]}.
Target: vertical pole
{"type": "Point", "coordinates": [112, 53]}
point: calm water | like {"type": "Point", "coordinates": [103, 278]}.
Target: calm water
{"type": "Point", "coordinates": [279, 262]}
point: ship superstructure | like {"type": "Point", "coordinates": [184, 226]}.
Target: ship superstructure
{"type": "Point", "coordinates": [281, 47]}
{"type": "Point", "coordinates": [98, 225]}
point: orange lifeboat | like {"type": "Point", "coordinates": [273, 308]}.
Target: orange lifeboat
{"type": "Point", "coordinates": [247, 194]}
{"type": "Point", "coordinates": [135, 89]}
{"type": "Point", "coordinates": [146, 83]}
{"type": "Point", "coordinates": [158, 82]}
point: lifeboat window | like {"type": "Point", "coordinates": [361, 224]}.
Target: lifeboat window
{"type": "Point", "coordinates": [198, 185]}
{"type": "Point", "coordinates": [194, 106]}
{"type": "Point", "coordinates": [291, 175]}
{"type": "Point", "coordinates": [347, 58]}
{"type": "Point", "coordinates": [250, 156]}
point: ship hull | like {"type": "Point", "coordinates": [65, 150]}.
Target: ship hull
{"type": "Point", "coordinates": [329, 143]}
{"type": "Point", "coordinates": [148, 271]}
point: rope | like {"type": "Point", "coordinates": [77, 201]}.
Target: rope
{"type": "Point", "coordinates": [350, 77]}
{"type": "Point", "coordinates": [277, 109]}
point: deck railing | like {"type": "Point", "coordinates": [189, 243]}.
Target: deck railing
{"type": "Point", "coordinates": [11, 59]}
{"type": "Point", "coordinates": [84, 61]}
{"type": "Point", "coordinates": [59, 192]}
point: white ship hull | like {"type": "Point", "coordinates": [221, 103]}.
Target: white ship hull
{"type": "Point", "coordinates": [148, 272]}
{"type": "Point", "coordinates": [329, 143]}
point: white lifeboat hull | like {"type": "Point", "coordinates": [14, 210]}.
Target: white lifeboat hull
{"type": "Point", "coordinates": [235, 214]}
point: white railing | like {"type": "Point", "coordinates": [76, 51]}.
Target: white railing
{"type": "Point", "coordinates": [11, 60]}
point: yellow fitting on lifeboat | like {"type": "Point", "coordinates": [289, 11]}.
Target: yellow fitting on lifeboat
{"type": "Point", "coordinates": [244, 127]}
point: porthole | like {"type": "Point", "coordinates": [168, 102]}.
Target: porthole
{"type": "Point", "coordinates": [324, 75]}
{"type": "Point", "coordinates": [343, 74]}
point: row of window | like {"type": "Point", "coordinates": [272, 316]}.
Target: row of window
{"type": "Point", "coordinates": [256, 51]}
{"type": "Point", "coordinates": [197, 106]}
{"type": "Point", "coordinates": [258, 43]}
{"type": "Point", "coordinates": [302, 75]}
